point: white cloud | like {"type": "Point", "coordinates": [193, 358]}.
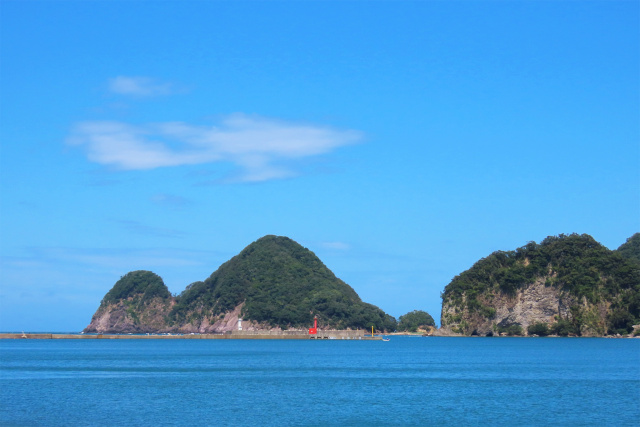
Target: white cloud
{"type": "Point", "coordinates": [139, 86]}
{"type": "Point", "coordinates": [263, 149]}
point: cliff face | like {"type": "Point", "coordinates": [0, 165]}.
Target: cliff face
{"type": "Point", "coordinates": [535, 303]}
{"type": "Point", "coordinates": [567, 285]}
{"type": "Point", "coordinates": [227, 321]}
{"type": "Point", "coordinates": [127, 316]}
{"type": "Point", "coordinates": [138, 303]}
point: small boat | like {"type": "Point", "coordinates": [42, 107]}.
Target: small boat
{"type": "Point", "coordinates": [386, 339]}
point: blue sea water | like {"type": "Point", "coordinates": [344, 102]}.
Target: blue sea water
{"type": "Point", "coordinates": [407, 381]}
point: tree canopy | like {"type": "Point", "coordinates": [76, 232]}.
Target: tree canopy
{"type": "Point", "coordinates": [142, 285]}
{"type": "Point", "coordinates": [631, 248]}
{"type": "Point", "coordinates": [282, 284]}
{"type": "Point", "coordinates": [417, 319]}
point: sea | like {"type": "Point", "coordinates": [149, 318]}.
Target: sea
{"type": "Point", "coordinates": [407, 381]}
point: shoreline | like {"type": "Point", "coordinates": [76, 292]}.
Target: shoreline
{"type": "Point", "coordinates": [46, 336]}
{"type": "Point", "coordinates": [227, 336]}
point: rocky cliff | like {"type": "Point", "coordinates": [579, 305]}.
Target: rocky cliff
{"type": "Point", "coordinates": [138, 303]}
{"type": "Point", "coordinates": [567, 285]}
{"type": "Point", "coordinates": [513, 314]}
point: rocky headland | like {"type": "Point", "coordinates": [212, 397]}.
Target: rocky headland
{"type": "Point", "coordinates": [566, 285]}
{"type": "Point", "coordinates": [272, 284]}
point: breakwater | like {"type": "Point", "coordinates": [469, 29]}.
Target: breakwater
{"type": "Point", "coordinates": [261, 335]}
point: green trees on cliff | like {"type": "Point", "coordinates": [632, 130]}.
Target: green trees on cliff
{"type": "Point", "coordinates": [575, 264]}
{"type": "Point", "coordinates": [141, 285]}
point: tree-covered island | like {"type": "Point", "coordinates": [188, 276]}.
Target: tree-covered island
{"type": "Point", "coordinates": [567, 285]}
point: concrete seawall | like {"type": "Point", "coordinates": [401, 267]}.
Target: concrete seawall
{"type": "Point", "coordinates": [234, 335]}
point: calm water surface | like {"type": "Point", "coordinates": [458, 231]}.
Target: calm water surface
{"type": "Point", "coordinates": [406, 381]}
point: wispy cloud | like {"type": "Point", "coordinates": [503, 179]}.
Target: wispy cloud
{"type": "Point", "coordinates": [99, 257]}
{"type": "Point", "coordinates": [340, 246]}
{"type": "Point", "coordinates": [170, 200]}
{"type": "Point", "coordinates": [263, 149]}
{"type": "Point", "coordinates": [140, 86]}
{"type": "Point", "coordinates": [140, 228]}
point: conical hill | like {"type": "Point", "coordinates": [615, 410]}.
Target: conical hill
{"type": "Point", "coordinates": [281, 284]}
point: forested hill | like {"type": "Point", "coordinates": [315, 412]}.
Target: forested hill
{"type": "Point", "coordinates": [570, 282]}
{"type": "Point", "coordinates": [273, 283]}
{"type": "Point", "coordinates": [142, 285]}
{"type": "Point", "coordinates": [631, 248]}
{"type": "Point", "coordinates": [281, 284]}
{"type": "Point", "coordinates": [138, 302]}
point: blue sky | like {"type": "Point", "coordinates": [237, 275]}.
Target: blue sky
{"type": "Point", "coordinates": [399, 141]}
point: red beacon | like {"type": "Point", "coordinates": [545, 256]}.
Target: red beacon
{"type": "Point", "coordinates": [314, 330]}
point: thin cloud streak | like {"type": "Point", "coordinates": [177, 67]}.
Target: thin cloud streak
{"type": "Point", "coordinates": [170, 200]}
{"type": "Point", "coordinates": [262, 149]}
{"type": "Point", "coordinates": [139, 86]}
{"type": "Point", "coordinates": [339, 246]}
{"type": "Point", "coordinates": [140, 228]}
{"type": "Point", "coordinates": [44, 257]}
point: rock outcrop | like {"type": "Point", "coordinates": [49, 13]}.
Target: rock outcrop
{"type": "Point", "coordinates": [535, 303]}
{"type": "Point", "coordinates": [567, 285]}
{"type": "Point", "coordinates": [138, 303]}
{"type": "Point", "coordinates": [127, 317]}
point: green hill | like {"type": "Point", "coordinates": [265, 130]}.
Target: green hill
{"type": "Point", "coordinates": [414, 320]}
{"type": "Point", "coordinates": [281, 284]}
{"type": "Point", "coordinates": [273, 283]}
{"type": "Point", "coordinates": [137, 303]}
{"type": "Point", "coordinates": [141, 285]}
{"type": "Point", "coordinates": [631, 248]}
{"type": "Point", "coordinates": [572, 283]}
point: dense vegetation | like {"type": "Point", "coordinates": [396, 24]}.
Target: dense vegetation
{"type": "Point", "coordinates": [417, 319]}
{"type": "Point", "coordinates": [282, 284]}
{"type": "Point", "coordinates": [631, 248]}
{"type": "Point", "coordinates": [141, 285]}
{"type": "Point", "coordinates": [576, 264]}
